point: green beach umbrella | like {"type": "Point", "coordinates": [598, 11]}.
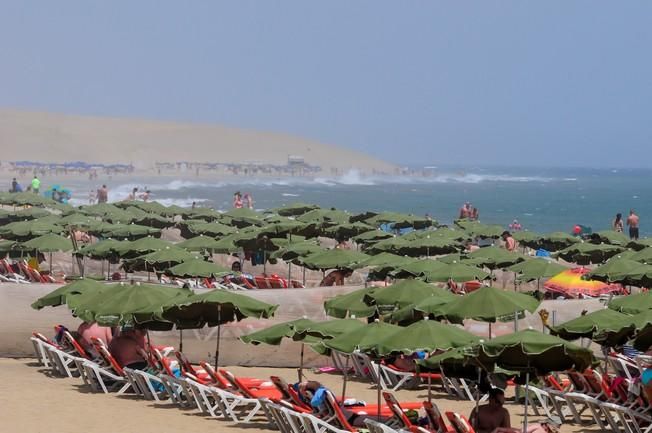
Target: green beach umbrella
{"type": "Point", "coordinates": [350, 304]}
{"type": "Point", "coordinates": [333, 259]}
{"type": "Point", "coordinates": [274, 334]}
{"type": "Point", "coordinates": [130, 231]}
{"type": "Point", "coordinates": [404, 293]}
{"type": "Point", "coordinates": [372, 237]}
{"type": "Point", "coordinates": [329, 329]}
{"type": "Point", "coordinates": [48, 243]}
{"type": "Point", "coordinates": [106, 249]}
{"type": "Point", "coordinates": [643, 323]}
{"type": "Point", "coordinates": [26, 230]}
{"type": "Point", "coordinates": [348, 230]}
{"type": "Point", "coordinates": [610, 237]}
{"type": "Point", "coordinates": [197, 268]}
{"type": "Point", "coordinates": [364, 339]}
{"type": "Point", "coordinates": [420, 309]}
{"type": "Point", "coordinates": [496, 257]}
{"type": "Point", "coordinates": [198, 243]}
{"type": "Point", "coordinates": [456, 272]}
{"type": "Point", "coordinates": [294, 209]}
{"type": "Point", "coordinates": [212, 229]}
{"type": "Point", "coordinates": [632, 304]}
{"type": "Point", "coordinates": [585, 252]}
{"type": "Point", "coordinates": [527, 238]}
{"type": "Point", "coordinates": [607, 327]}
{"type": "Point", "coordinates": [137, 305]}
{"type": "Point", "coordinates": [399, 220]}
{"type": "Point", "coordinates": [63, 294]}
{"type": "Point", "coordinates": [557, 241]}
{"type": "Point", "coordinates": [325, 217]}
{"type": "Point", "coordinates": [215, 308]}
{"type": "Point", "coordinates": [158, 260]}
{"type": "Point", "coordinates": [535, 269]}
{"type": "Point", "coordinates": [425, 335]}
{"type": "Point", "coordinates": [28, 214]}
{"type": "Point", "coordinates": [615, 270]}
{"type": "Point", "coordinates": [488, 304]}
{"type": "Point", "coordinates": [142, 246]}
{"type": "Point", "coordinates": [643, 256]}
{"type": "Point", "coordinates": [242, 217]}
{"type": "Point", "coordinates": [298, 249]}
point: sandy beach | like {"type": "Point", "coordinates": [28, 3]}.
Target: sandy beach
{"type": "Point", "coordinates": [32, 401]}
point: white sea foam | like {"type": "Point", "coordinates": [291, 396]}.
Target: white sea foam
{"type": "Point", "coordinates": [287, 194]}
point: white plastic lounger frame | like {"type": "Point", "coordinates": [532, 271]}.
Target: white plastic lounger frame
{"type": "Point", "coordinates": [147, 383]}
{"type": "Point", "coordinates": [100, 378]}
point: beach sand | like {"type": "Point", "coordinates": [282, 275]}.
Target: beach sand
{"type": "Point", "coordinates": [32, 401]}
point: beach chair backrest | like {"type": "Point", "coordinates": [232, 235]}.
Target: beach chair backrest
{"type": "Point", "coordinates": [277, 282]}
{"type": "Point", "coordinates": [44, 339]}
{"type": "Point", "coordinates": [237, 383]}
{"type": "Point", "coordinates": [396, 409]}
{"type": "Point", "coordinates": [578, 381]}
{"type": "Point", "coordinates": [186, 366]}
{"type": "Point", "coordinates": [217, 378]}
{"type": "Point", "coordinates": [78, 348]}
{"type": "Point", "coordinates": [596, 382]}
{"type": "Point", "coordinates": [297, 284]}
{"type": "Point", "coordinates": [552, 382]}
{"type": "Point", "coordinates": [262, 282]}
{"type": "Point", "coordinates": [165, 363]}
{"type": "Point", "coordinates": [459, 423]}
{"type": "Point", "coordinates": [337, 411]}
{"type": "Point", "coordinates": [106, 356]}
{"type": "Point", "coordinates": [435, 418]}
{"type": "Point", "coordinates": [151, 360]}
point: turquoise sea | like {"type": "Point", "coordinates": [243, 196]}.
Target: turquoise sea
{"type": "Point", "coordinates": [541, 199]}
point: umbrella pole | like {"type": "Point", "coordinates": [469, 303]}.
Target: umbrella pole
{"type": "Point", "coordinates": [217, 347]}
{"type": "Point", "coordinates": [50, 262]}
{"type": "Point", "coordinates": [527, 394]}
{"type": "Point", "coordinates": [180, 340]}
{"type": "Point", "coordinates": [378, 396]}
{"type": "Point", "coordinates": [304, 275]}
{"type": "Point", "coordinates": [301, 363]}
{"type": "Point", "coordinates": [290, 274]}
{"type": "Point", "coordinates": [102, 261]}
{"type": "Point", "coordinates": [264, 263]}
{"type": "Point", "coordinates": [429, 387]}
{"type": "Point", "coordinates": [346, 375]}
{"type": "Point", "coordinates": [490, 330]}
{"type": "Point", "coordinates": [477, 398]}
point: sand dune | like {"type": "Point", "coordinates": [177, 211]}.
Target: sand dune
{"type": "Point", "coordinates": [58, 138]}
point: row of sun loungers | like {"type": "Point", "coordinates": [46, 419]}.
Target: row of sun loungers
{"type": "Point", "coordinates": [21, 272]}
{"type": "Point", "coordinates": [612, 403]}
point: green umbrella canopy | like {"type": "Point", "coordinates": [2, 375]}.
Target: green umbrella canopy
{"type": "Point", "coordinates": [399, 220]}
{"type": "Point", "coordinates": [586, 252]}
{"type": "Point", "coordinates": [428, 245]}
{"type": "Point", "coordinates": [605, 326]}
{"type": "Point", "coordinates": [28, 214]}
{"type": "Point", "coordinates": [104, 249]}
{"type": "Point", "coordinates": [643, 256]}
{"type": "Point", "coordinates": [99, 209]}
{"type": "Point", "coordinates": [486, 231]}
{"type": "Point", "coordinates": [198, 243]}
{"type": "Point", "coordinates": [215, 308]}
{"type": "Point", "coordinates": [7, 246]}
{"type": "Point", "coordinates": [496, 257]}
{"type": "Point", "coordinates": [488, 304]}
{"type": "Point", "coordinates": [130, 305]}
{"type": "Point", "coordinates": [333, 259]}
{"type": "Point", "coordinates": [406, 292]}
{"type": "Point", "coordinates": [27, 198]}
{"type": "Point", "coordinates": [159, 260]}
{"type": "Point", "coordinates": [350, 304]}
{"type": "Point", "coordinates": [282, 228]}
{"type": "Point", "coordinates": [48, 243]}
{"type": "Point", "coordinates": [386, 259]}
{"type": "Point", "coordinates": [609, 237]}
{"type": "Point", "coordinates": [212, 229]}
{"type": "Point", "coordinates": [25, 230]}
{"type": "Point", "coordinates": [460, 258]}
{"type": "Point", "coordinates": [421, 309]}
{"type": "Point", "coordinates": [558, 240]}
{"type": "Point", "coordinates": [328, 329]}
{"type": "Point", "coordinates": [197, 268]}
{"type": "Point", "coordinates": [527, 238]}
{"type": "Point", "coordinates": [142, 246]}
{"type": "Point", "coordinates": [640, 244]}
{"type": "Point", "coordinates": [202, 213]}
{"type": "Point", "coordinates": [325, 217]}
{"type": "Point", "coordinates": [425, 335]}
{"type": "Point", "coordinates": [533, 351]}
{"type": "Point", "coordinates": [371, 237]}
{"type": "Point", "coordinates": [226, 245]}
{"type": "Point", "coordinates": [534, 269]}
{"type": "Point", "coordinates": [298, 249]}
{"type": "Point", "coordinates": [615, 270]}
{"type": "Point", "coordinates": [294, 209]}
{"type": "Point", "coordinates": [61, 295]}
{"type": "Point", "coordinates": [364, 339]}
{"type": "Point", "coordinates": [131, 231]}
{"type": "Point", "coordinates": [242, 217]}
{"type": "Point", "coordinates": [456, 272]}
{"type": "Point", "coordinates": [275, 334]}
{"type": "Point", "coordinates": [392, 245]}
{"type": "Point", "coordinates": [80, 221]}
{"type": "Point", "coordinates": [348, 230]}
{"type": "Point", "coordinates": [632, 304]}
{"type": "Point", "coordinates": [643, 323]}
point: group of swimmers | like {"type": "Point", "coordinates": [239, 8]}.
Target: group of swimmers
{"type": "Point", "coordinates": [240, 201]}
{"type": "Point", "coordinates": [467, 211]}
{"type": "Point", "coordinates": [632, 223]}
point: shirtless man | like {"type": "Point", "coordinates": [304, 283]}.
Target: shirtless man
{"type": "Point", "coordinates": [632, 223]}
{"type": "Point", "coordinates": [510, 242]}
{"type": "Point", "coordinates": [335, 278]}
{"type": "Point", "coordinates": [465, 211]}
{"type": "Point", "coordinates": [491, 416]}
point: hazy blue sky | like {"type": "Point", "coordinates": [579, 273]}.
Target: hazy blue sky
{"type": "Point", "coordinates": [549, 82]}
